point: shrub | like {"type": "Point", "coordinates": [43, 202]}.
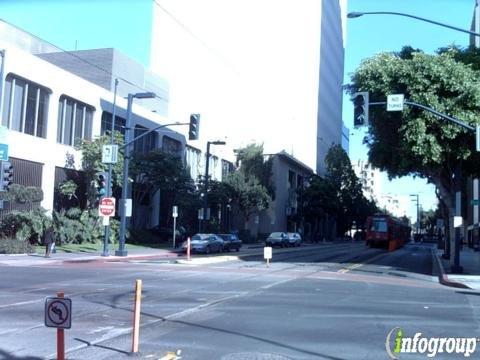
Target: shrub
{"type": "Point", "coordinates": [15, 246]}
{"type": "Point", "coordinates": [78, 226]}
{"type": "Point", "coordinates": [25, 225]}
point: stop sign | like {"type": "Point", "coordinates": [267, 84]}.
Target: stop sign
{"type": "Point", "coordinates": [106, 207]}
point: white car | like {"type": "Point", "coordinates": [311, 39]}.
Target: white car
{"type": "Point", "coordinates": [294, 239]}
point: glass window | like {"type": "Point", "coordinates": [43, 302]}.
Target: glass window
{"type": "Point", "coordinates": [25, 106]}
{"type": "Point", "coordinates": [146, 143]}
{"type": "Point", "coordinates": [171, 146]}
{"type": "Point", "coordinates": [30, 113]}
{"type": "Point", "coordinates": [42, 114]}
{"type": "Point", "coordinates": [379, 225]}
{"type": "Point", "coordinates": [106, 125]}
{"type": "Point", "coordinates": [74, 121]}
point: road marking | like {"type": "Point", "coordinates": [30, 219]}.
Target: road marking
{"type": "Point", "coordinates": [356, 266]}
{"type": "Point", "coordinates": [22, 303]}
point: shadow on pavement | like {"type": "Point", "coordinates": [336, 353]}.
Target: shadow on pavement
{"type": "Point", "coordinates": [102, 346]}
{"type": "Point", "coordinates": [7, 356]}
{"type": "Point", "coordinates": [411, 258]}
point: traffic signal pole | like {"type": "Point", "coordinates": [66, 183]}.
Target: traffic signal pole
{"type": "Point", "coordinates": [106, 251]}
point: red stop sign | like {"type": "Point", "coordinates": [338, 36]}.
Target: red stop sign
{"type": "Point", "coordinates": [106, 207]}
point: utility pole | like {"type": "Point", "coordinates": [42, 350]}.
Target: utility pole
{"type": "Point", "coordinates": [106, 251]}
{"type": "Point", "coordinates": [205, 190]}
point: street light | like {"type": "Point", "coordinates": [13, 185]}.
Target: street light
{"type": "Point", "coordinates": [418, 211]}
{"type": "Point", "coordinates": [128, 137]}
{"type": "Point", "coordinates": [205, 191]}
{"type": "Point", "coordinates": [355, 14]}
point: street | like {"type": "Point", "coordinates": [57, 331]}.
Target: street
{"type": "Point", "coordinates": [325, 301]}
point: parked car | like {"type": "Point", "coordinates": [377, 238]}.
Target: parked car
{"type": "Point", "coordinates": [277, 238]}
{"type": "Point", "coordinates": [204, 243]}
{"type": "Point", "coordinates": [294, 239]}
{"type": "Point", "coordinates": [231, 242]}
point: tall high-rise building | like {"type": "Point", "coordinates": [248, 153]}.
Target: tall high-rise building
{"type": "Point", "coordinates": [266, 71]}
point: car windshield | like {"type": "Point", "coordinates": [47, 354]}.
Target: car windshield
{"type": "Point", "coordinates": [276, 234]}
{"type": "Point", "coordinates": [198, 237]}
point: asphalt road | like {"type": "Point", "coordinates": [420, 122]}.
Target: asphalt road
{"type": "Point", "coordinates": [336, 301]}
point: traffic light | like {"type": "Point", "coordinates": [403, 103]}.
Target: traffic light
{"type": "Point", "coordinates": [102, 183]}
{"type": "Point", "coordinates": [7, 175]}
{"type": "Point", "coordinates": [194, 127]}
{"type": "Point", "coordinates": [360, 109]}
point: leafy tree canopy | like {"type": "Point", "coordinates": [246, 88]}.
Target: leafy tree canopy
{"type": "Point", "coordinates": [416, 142]}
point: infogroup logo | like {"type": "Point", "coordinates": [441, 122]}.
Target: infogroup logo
{"type": "Point", "coordinates": [397, 343]}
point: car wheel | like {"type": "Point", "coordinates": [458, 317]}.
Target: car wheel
{"type": "Point", "coordinates": [238, 249]}
{"type": "Point", "coordinates": [207, 250]}
{"type": "Point", "coordinates": [220, 249]}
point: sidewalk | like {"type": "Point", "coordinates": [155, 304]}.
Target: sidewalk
{"type": "Point", "coordinates": [82, 257]}
{"type": "Point", "coordinates": [469, 260]}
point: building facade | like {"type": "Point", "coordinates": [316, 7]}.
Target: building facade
{"type": "Point", "coordinates": [370, 179]}
{"type": "Point", "coordinates": [47, 109]}
{"type": "Point", "coordinates": [277, 81]}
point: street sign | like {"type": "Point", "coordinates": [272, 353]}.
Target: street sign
{"type": "Point", "coordinates": [3, 152]}
{"type": "Point", "coordinates": [267, 252]}
{"type": "Point", "coordinates": [477, 137]}
{"type": "Point", "coordinates": [106, 207]}
{"type": "Point", "coordinates": [395, 102]}
{"type": "Point", "coordinates": [109, 154]}
{"type": "Point", "coordinates": [126, 205]}
{"type": "Point", "coordinates": [58, 312]}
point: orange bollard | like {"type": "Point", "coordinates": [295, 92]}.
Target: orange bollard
{"type": "Point", "coordinates": [188, 248]}
{"type": "Point", "coordinates": [136, 315]}
{"type": "Point", "coordinates": [60, 336]}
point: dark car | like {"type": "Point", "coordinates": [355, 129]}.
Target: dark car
{"type": "Point", "coordinates": [277, 238]}
{"type": "Point", "coordinates": [231, 242]}
{"type": "Point", "coordinates": [205, 243]}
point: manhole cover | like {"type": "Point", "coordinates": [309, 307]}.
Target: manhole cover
{"type": "Point", "coordinates": [254, 356]}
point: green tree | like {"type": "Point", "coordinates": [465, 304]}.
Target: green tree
{"type": "Point", "coordinates": [160, 171]}
{"type": "Point", "coordinates": [249, 195]}
{"type": "Point", "coordinates": [415, 142]}
{"type": "Point", "coordinates": [253, 163]}
{"type": "Point", "coordinates": [92, 164]}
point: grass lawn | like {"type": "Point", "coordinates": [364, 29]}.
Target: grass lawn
{"type": "Point", "coordinates": [98, 247]}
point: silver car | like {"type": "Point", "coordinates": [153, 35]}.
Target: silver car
{"type": "Point", "coordinates": [277, 238]}
{"type": "Point", "coordinates": [204, 243]}
{"type": "Point", "coordinates": [294, 239]}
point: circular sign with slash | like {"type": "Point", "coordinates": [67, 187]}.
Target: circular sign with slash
{"type": "Point", "coordinates": [58, 312]}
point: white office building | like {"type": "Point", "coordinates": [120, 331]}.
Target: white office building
{"type": "Point", "coordinates": [266, 71]}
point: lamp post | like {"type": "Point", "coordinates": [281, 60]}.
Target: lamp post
{"type": "Point", "coordinates": [128, 137]}
{"type": "Point", "coordinates": [205, 191]}
{"type": "Point", "coordinates": [356, 14]}
{"type": "Point", "coordinates": [416, 199]}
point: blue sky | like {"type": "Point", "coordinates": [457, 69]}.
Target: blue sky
{"type": "Point", "coordinates": [126, 25]}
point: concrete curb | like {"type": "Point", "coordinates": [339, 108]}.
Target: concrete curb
{"type": "Point", "coordinates": [113, 258]}
{"type": "Point", "coordinates": [443, 277]}
{"type": "Point", "coordinates": [207, 260]}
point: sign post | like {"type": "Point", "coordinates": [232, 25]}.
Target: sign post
{"type": "Point", "coordinates": [175, 215]}
{"type": "Point", "coordinates": [267, 254]}
{"type": "Point", "coordinates": [58, 314]}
